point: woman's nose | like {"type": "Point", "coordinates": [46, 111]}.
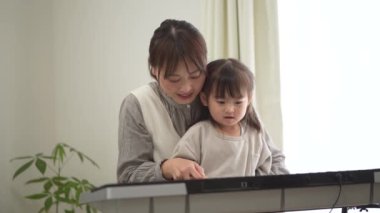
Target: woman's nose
{"type": "Point", "coordinates": [186, 87]}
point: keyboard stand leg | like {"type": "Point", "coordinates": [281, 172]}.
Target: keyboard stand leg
{"type": "Point", "coordinates": [344, 210]}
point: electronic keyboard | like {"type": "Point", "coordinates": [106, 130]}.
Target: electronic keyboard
{"type": "Point", "coordinates": [271, 193]}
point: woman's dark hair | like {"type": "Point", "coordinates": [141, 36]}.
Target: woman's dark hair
{"type": "Point", "coordinates": [173, 42]}
{"type": "Point", "coordinates": [232, 78]}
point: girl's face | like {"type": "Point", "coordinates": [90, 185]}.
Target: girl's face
{"type": "Point", "coordinates": [227, 111]}
{"type": "Point", "coordinates": [184, 85]}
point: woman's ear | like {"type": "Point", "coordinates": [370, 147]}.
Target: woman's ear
{"type": "Point", "coordinates": [203, 98]}
{"type": "Point", "coordinates": [155, 72]}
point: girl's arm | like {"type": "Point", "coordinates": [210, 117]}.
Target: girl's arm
{"type": "Point", "coordinates": [278, 158]}
{"type": "Point", "coordinates": [187, 152]}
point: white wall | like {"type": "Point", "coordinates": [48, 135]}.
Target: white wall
{"type": "Point", "coordinates": [330, 84]}
{"type": "Point", "coordinates": [65, 67]}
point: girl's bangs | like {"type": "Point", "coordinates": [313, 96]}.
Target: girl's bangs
{"type": "Point", "coordinates": [230, 83]}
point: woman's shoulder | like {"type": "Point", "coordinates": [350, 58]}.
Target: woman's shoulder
{"type": "Point", "coordinates": [130, 103]}
{"type": "Point", "coordinates": [130, 106]}
{"type": "Point", "coordinates": [131, 97]}
{"type": "Point", "coordinates": [152, 86]}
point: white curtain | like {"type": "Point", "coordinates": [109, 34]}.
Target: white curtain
{"type": "Point", "coordinates": [248, 30]}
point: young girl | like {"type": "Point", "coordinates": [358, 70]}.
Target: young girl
{"type": "Point", "coordinates": [233, 141]}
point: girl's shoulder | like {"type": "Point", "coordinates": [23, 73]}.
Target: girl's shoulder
{"type": "Point", "coordinates": [201, 126]}
{"type": "Point", "coordinates": [251, 131]}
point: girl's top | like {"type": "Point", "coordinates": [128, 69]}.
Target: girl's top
{"type": "Point", "coordinates": [226, 156]}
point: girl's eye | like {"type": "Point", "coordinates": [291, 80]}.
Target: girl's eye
{"type": "Point", "coordinates": [220, 101]}
{"type": "Point", "coordinates": [238, 102]}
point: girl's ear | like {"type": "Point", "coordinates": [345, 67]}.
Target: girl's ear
{"type": "Point", "coordinates": [203, 98]}
{"type": "Point", "coordinates": [250, 100]}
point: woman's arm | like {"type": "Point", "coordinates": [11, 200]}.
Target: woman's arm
{"type": "Point", "coordinates": [135, 161]}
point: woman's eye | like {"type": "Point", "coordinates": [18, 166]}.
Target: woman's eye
{"type": "Point", "coordinates": [195, 75]}
{"type": "Point", "coordinates": [174, 80]}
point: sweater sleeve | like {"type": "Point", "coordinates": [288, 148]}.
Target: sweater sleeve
{"type": "Point", "coordinates": [278, 158]}
{"type": "Point", "coordinates": [189, 147]}
{"type": "Point", "coordinates": [135, 160]}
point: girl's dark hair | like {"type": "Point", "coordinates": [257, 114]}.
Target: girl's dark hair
{"type": "Point", "coordinates": [174, 41]}
{"type": "Point", "coordinates": [231, 77]}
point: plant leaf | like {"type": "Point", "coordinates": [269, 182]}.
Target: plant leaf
{"type": "Point", "coordinates": [54, 153]}
{"type": "Point", "coordinates": [88, 209]}
{"type": "Point", "coordinates": [21, 158]}
{"type": "Point", "coordinates": [78, 193]}
{"type": "Point", "coordinates": [63, 199]}
{"type": "Point", "coordinates": [76, 179]}
{"type": "Point", "coordinates": [42, 210]}
{"type": "Point", "coordinates": [41, 165]}
{"type": "Point", "coordinates": [62, 154]}
{"type": "Point", "coordinates": [92, 161]}
{"type": "Point", "coordinates": [48, 185]}
{"type": "Point", "coordinates": [59, 178]}
{"type": "Point", "coordinates": [22, 168]}
{"type": "Point", "coordinates": [37, 196]}
{"type": "Point", "coordinates": [59, 181]}
{"type": "Point", "coordinates": [58, 153]}
{"type": "Point", "coordinates": [48, 203]}
{"type": "Point", "coordinates": [39, 154]}
{"type": "Point", "coordinates": [80, 156]}
{"type": "Point", "coordinates": [47, 157]}
{"type": "Point", "coordinates": [37, 180]}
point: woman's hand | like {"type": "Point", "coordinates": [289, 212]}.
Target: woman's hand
{"type": "Point", "coordinates": [182, 169]}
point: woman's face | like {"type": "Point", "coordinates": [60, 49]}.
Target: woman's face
{"type": "Point", "coordinates": [184, 85]}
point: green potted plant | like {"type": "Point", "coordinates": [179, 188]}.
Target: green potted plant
{"type": "Point", "coordinates": [57, 190]}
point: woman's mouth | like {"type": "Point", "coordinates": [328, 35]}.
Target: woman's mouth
{"type": "Point", "coordinates": [185, 96]}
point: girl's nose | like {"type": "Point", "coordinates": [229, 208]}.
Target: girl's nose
{"type": "Point", "coordinates": [229, 108]}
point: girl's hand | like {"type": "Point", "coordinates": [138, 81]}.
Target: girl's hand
{"type": "Point", "coordinates": [182, 169]}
